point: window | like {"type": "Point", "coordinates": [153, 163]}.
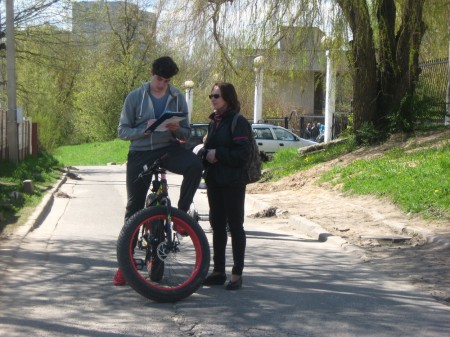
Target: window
{"type": "Point", "coordinates": [199, 131]}
{"type": "Point", "coordinates": [263, 133]}
{"type": "Point", "coordinates": [283, 135]}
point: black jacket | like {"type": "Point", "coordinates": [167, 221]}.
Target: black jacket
{"type": "Point", "coordinates": [232, 151]}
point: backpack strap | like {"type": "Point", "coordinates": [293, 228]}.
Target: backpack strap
{"type": "Point", "coordinates": [234, 121]}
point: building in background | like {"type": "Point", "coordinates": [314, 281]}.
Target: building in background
{"type": "Point", "coordinates": [294, 78]}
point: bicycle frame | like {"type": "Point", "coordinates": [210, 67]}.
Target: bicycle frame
{"type": "Point", "coordinates": [172, 256]}
{"type": "Point", "coordinates": [159, 196]}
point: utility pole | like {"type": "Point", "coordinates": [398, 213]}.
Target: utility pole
{"type": "Point", "coordinates": [447, 101]}
{"type": "Point", "coordinates": [13, 143]}
{"type": "Point", "coordinates": [2, 35]}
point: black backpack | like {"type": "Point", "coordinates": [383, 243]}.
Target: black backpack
{"type": "Point", "coordinates": [253, 165]}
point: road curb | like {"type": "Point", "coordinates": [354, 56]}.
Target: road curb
{"type": "Point", "coordinates": [34, 221]}
{"type": "Point", "coordinates": [317, 232]}
{"type": "Point", "coordinates": [40, 212]}
{"type": "Point", "coordinates": [310, 228]}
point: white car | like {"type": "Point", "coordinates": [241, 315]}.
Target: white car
{"type": "Point", "coordinates": [271, 138]}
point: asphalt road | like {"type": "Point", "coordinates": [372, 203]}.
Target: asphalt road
{"type": "Point", "coordinates": [56, 280]}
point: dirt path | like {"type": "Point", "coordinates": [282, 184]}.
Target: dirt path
{"type": "Point", "coordinates": [422, 251]}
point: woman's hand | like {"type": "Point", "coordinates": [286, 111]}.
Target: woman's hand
{"type": "Point", "coordinates": [211, 156]}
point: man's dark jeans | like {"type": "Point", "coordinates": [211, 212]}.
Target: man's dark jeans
{"type": "Point", "coordinates": [178, 160]}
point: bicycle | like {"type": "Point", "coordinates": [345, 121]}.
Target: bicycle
{"type": "Point", "coordinates": [163, 253]}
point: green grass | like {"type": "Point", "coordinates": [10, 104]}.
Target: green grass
{"type": "Point", "coordinates": [93, 153]}
{"type": "Point", "coordinates": [417, 181]}
{"type": "Point", "coordinates": [288, 161]}
{"type": "Point", "coordinates": [42, 170]}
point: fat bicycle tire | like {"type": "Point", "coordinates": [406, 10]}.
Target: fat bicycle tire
{"type": "Point", "coordinates": [185, 266]}
{"type": "Point", "coordinates": [155, 265]}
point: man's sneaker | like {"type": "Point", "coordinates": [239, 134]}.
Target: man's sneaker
{"type": "Point", "coordinates": [193, 213]}
{"type": "Point", "coordinates": [119, 280]}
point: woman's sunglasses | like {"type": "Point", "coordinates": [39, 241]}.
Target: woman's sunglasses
{"type": "Point", "coordinates": [216, 96]}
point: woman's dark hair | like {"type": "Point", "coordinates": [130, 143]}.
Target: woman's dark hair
{"type": "Point", "coordinates": [229, 95]}
{"type": "Point", "coordinates": [164, 67]}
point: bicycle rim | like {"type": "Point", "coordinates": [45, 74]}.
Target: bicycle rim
{"type": "Point", "coordinates": [170, 273]}
{"type": "Point", "coordinates": [154, 262]}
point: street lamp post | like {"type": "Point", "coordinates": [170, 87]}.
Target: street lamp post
{"type": "Point", "coordinates": [330, 91]}
{"type": "Point", "coordinates": [189, 85]}
{"type": "Point", "coordinates": [330, 98]}
{"type": "Point", "coordinates": [258, 68]}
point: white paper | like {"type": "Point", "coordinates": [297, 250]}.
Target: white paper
{"type": "Point", "coordinates": [163, 126]}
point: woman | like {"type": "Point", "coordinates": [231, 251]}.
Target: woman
{"type": "Point", "coordinates": [225, 155]}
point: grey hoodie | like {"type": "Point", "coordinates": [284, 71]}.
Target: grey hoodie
{"type": "Point", "coordinates": [138, 109]}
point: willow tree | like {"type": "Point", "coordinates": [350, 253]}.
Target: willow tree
{"type": "Point", "coordinates": [384, 56]}
{"type": "Point", "coordinates": [435, 42]}
{"type": "Point", "coordinates": [226, 36]}
{"type": "Point", "coordinates": [382, 37]}
{"type": "Point", "coordinates": [119, 45]}
{"type": "Point", "coordinates": [45, 67]}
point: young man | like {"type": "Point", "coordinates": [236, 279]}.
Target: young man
{"type": "Point", "coordinates": [141, 108]}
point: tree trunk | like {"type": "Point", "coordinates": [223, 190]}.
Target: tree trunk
{"type": "Point", "coordinates": [399, 56]}
{"type": "Point", "coordinates": [363, 61]}
{"type": "Point", "coordinates": [388, 72]}
{"type": "Point", "coordinates": [386, 75]}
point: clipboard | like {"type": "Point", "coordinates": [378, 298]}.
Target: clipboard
{"type": "Point", "coordinates": [167, 117]}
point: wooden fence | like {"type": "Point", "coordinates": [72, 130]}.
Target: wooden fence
{"type": "Point", "coordinates": [25, 136]}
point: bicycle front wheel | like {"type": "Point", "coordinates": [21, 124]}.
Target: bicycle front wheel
{"type": "Point", "coordinates": [180, 264]}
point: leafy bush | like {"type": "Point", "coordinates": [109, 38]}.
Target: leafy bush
{"type": "Point", "coordinates": [42, 170]}
{"type": "Point", "coordinates": [368, 135]}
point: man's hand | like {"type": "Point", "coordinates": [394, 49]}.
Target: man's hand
{"type": "Point", "coordinates": [173, 126]}
{"type": "Point", "coordinates": [149, 123]}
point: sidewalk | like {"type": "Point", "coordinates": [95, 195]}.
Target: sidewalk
{"type": "Point", "coordinates": [306, 226]}
{"type": "Point", "coordinates": [428, 265]}
{"type": "Point", "coordinates": [437, 242]}
{"type": "Point", "coordinates": [34, 221]}
{"type": "Point", "coordinates": [424, 260]}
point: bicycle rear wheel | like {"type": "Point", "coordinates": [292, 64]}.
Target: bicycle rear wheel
{"type": "Point", "coordinates": [155, 269]}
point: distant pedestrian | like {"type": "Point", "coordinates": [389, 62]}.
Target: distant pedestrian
{"type": "Point", "coordinates": [307, 132]}
{"type": "Point", "coordinates": [315, 131]}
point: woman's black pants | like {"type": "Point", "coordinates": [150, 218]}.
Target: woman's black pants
{"type": "Point", "coordinates": [226, 206]}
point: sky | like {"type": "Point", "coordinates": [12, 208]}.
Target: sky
{"type": "Point", "coordinates": [243, 16]}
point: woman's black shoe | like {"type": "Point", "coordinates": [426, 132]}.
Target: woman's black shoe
{"type": "Point", "coordinates": [215, 280]}
{"type": "Point", "coordinates": [234, 285]}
